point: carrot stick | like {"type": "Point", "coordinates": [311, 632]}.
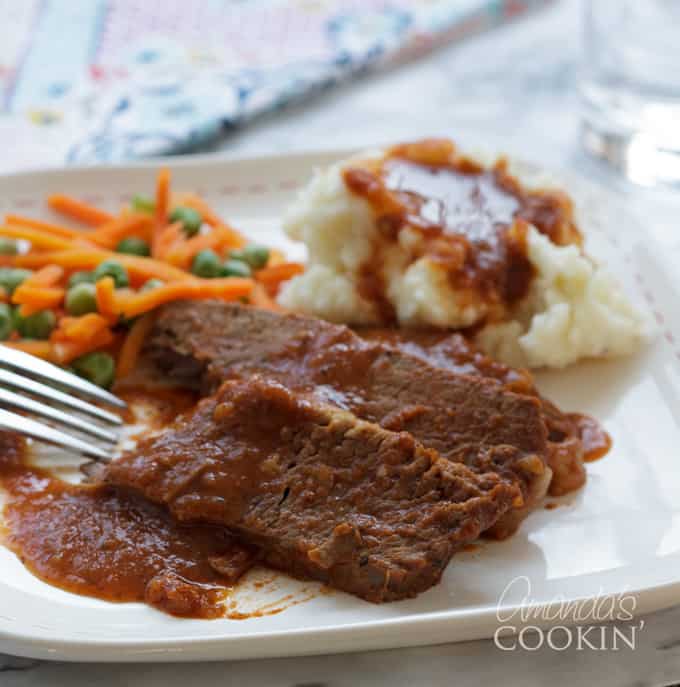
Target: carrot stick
{"type": "Point", "coordinates": [79, 328]}
{"type": "Point", "coordinates": [276, 274]}
{"type": "Point", "coordinates": [261, 299]}
{"type": "Point", "coordinates": [47, 276]}
{"type": "Point", "coordinates": [133, 343]}
{"type": "Point", "coordinates": [161, 209]}
{"type": "Point", "coordinates": [75, 258]}
{"type": "Point", "coordinates": [37, 237]}
{"type": "Point", "coordinates": [108, 235]}
{"type": "Point", "coordinates": [106, 298]}
{"type": "Point", "coordinates": [32, 299]}
{"type": "Point", "coordinates": [65, 351]}
{"type": "Point", "coordinates": [76, 209]}
{"type": "Point", "coordinates": [197, 203]}
{"type": "Point", "coordinates": [276, 257]}
{"type": "Point", "coordinates": [227, 289]}
{"type": "Point", "coordinates": [140, 269]}
{"type": "Point", "coordinates": [40, 349]}
{"type": "Point", "coordinates": [184, 252]}
{"type": "Point", "coordinates": [47, 227]}
{"type": "Point", "coordinates": [170, 236]}
{"type": "Point", "coordinates": [38, 292]}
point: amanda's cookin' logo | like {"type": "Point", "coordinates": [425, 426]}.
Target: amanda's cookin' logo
{"type": "Point", "coordinates": [574, 624]}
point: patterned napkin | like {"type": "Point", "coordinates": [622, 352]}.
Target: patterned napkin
{"type": "Point", "coordinates": [106, 80]}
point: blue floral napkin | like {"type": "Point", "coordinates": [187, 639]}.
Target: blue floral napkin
{"type": "Point", "coordinates": [107, 80]}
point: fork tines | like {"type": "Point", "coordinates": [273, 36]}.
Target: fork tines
{"type": "Point", "coordinates": [11, 422]}
{"type": "Point", "coordinates": [35, 367]}
{"type": "Point", "coordinates": [23, 388]}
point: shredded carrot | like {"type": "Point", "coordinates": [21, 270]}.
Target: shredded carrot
{"type": "Point", "coordinates": [190, 200]}
{"type": "Point", "coordinates": [37, 237]}
{"type": "Point", "coordinates": [261, 299]}
{"type": "Point", "coordinates": [56, 252]}
{"type": "Point", "coordinates": [271, 277]}
{"type": "Point", "coordinates": [133, 343]}
{"type": "Point", "coordinates": [162, 206]}
{"type": "Point", "coordinates": [38, 292]}
{"type": "Point", "coordinates": [76, 336]}
{"type": "Point", "coordinates": [79, 328]}
{"type": "Point", "coordinates": [108, 235]}
{"type": "Point", "coordinates": [184, 252]}
{"type": "Point", "coordinates": [276, 257]}
{"type": "Point", "coordinates": [227, 289]}
{"type": "Point", "coordinates": [78, 210]}
{"type": "Point", "coordinates": [66, 351]}
{"type": "Point", "coordinates": [167, 239]}
{"type": "Point", "coordinates": [143, 269]}
{"type": "Point", "coordinates": [47, 227]}
{"type": "Point", "coordinates": [73, 259]}
{"type": "Point", "coordinates": [139, 268]}
{"type": "Point", "coordinates": [40, 349]}
{"type": "Point", "coordinates": [32, 299]}
{"type": "Point", "coordinates": [106, 298]}
{"type": "Point", "coordinates": [46, 276]}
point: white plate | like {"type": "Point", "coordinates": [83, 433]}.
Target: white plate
{"type": "Point", "coordinates": [620, 533]}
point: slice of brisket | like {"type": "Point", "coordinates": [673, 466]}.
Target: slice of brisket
{"type": "Point", "coordinates": [322, 494]}
{"type": "Point", "coordinates": [466, 418]}
{"type": "Point", "coordinates": [453, 352]}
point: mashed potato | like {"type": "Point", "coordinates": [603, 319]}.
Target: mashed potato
{"type": "Point", "coordinates": [338, 230]}
{"type": "Point", "coordinates": [574, 308]}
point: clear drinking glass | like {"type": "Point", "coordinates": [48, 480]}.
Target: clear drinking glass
{"type": "Point", "coordinates": [630, 87]}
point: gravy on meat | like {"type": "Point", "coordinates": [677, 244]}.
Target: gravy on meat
{"type": "Point", "coordinates": [574, 438]}
{"type": "Point", "coordinates": [101, 542]}
{"type": "Point", "coordinates": [320, 493]}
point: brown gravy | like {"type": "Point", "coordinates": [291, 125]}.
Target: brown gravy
{"type": "Point", "coordinates": [596, 441]}
{"type": "Point", "coordinates": [99, 542]}
{"type": "Point", "coordinates": [575, 438]}
{"type": "Point", "coordinates": [472, 220]}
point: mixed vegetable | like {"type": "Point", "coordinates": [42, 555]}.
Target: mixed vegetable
{"type": "Point", "coordinates": [85, 297]}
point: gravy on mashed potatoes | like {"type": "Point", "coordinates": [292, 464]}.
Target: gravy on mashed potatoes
{"type": "Point", "coordinates": [421, 235]}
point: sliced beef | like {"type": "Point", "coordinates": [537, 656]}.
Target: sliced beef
{"type": "Point", "coordinates": [466, 418]}
{"type": "Point", "coordinates": [453, 352]}
{"type": "Point", "coordinates": [319, 492]}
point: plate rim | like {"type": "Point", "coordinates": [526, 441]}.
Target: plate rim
{"type": "Point", "coordinates": [423, 629]}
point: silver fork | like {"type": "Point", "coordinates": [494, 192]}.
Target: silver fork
{"type": "Point", "coordinates": [23, 388]}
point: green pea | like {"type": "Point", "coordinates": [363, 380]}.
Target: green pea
{"type": "Point", "coordinates": [133, 245]}
{"type": "Point", "coordinates": [11, 277]}
{"type": "Point", "coordinates": [235, 268]}
{"type": "Point", "coordinates": [143, 204]}
{"type": "Point", "coordinates": [81, 299]}
{"type": "Point", "coordinates": [6, 321]}
{"type": "Point", "coordinates": [152, 284]}
{"type": "Point", "coordinates": [254, 254]}
{"type": "Point", "coordinates": [190, 219]}
{"type": "Point", "coordinates": [112, 268]}
{"type": "Point", "coordinates": [97, 368]}
{"type": "Point", "coordinates": [16, 316]}
{"type": "Point", "coordinates": [206, 264]}
{"type": "Point", "coordinates": [8, 246]}
{"type": "Point", "coordinates": [81, 277]}
{"type": "Point", "coordinates": [39, 325]}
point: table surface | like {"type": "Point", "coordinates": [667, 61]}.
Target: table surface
{"type": "Point", "coordinates": [512, 90]}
